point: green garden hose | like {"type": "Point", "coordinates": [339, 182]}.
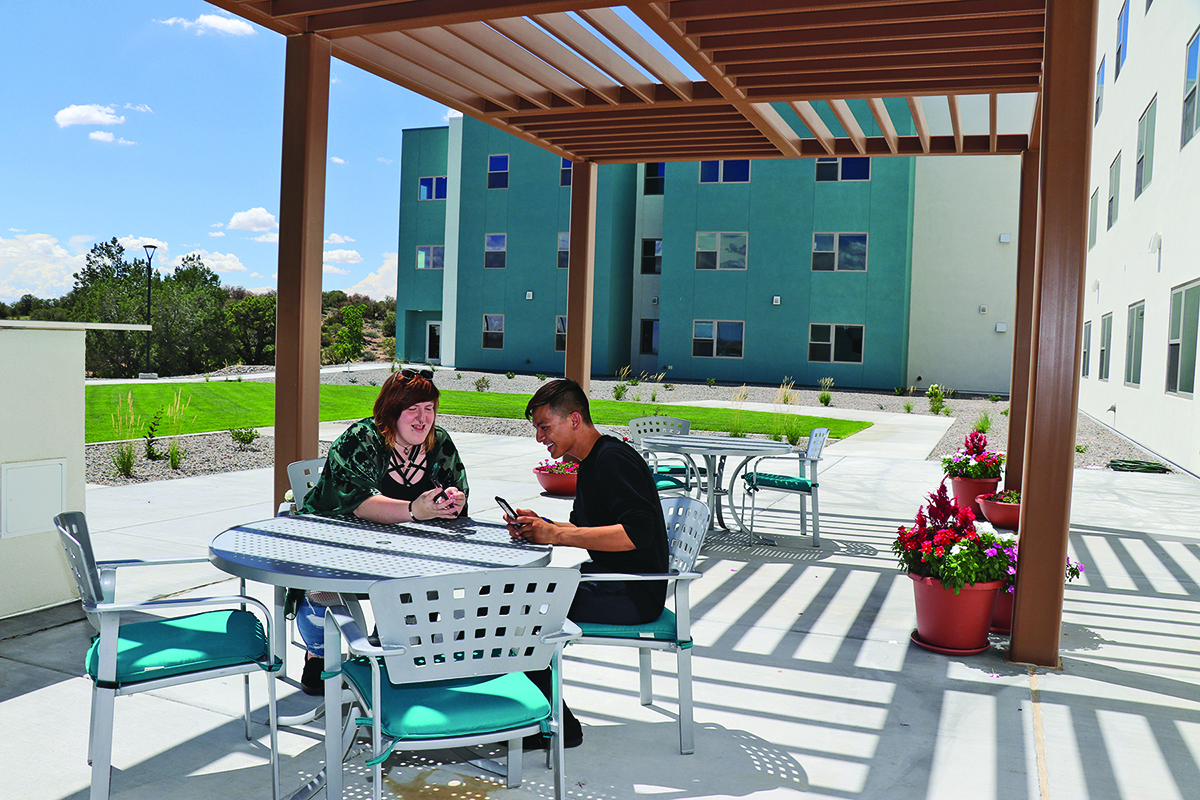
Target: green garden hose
{"type": "Point", "coordinates": [1129, 465]}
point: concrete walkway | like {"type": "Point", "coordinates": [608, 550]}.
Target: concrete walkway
{"type": "Point", "coordinates": [806, 683]}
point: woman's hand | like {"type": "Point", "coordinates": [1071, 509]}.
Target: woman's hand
{"type": "Point", "coordinates": [437, 504]}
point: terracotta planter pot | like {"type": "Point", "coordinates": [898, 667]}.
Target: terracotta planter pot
{"type": "Point", "coordinates": [965, 491]}
{"type": "Point", "coordinates": [1002, 515]}
{"type": "Point", "coordinates": [561, 483]}
{"type": "Point", "coordinates": [954, 624]}
{"type": "Point", "coordinates": [1002, 615]}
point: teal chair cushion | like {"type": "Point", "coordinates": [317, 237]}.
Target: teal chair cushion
{"type": "Point", "coordinates": [662, 482]}
{"type": "Point", "coordinates": [677, 469]}
{"type": "Point", "coordinates": [162, 648]}
{"type": "Point", "coordinates": [785, 482]}
{"type": "Point", "coordinates": [662, 629]}
{"type": "Point", "coordinates": [444, 709]}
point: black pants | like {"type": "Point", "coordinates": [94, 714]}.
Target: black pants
{"type": "Point", "coordinates": [595, 601]}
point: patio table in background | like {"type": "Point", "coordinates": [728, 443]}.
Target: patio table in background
{"type": "Point", "coordinates": [714, 450]}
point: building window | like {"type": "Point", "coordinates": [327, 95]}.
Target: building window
{"type": "Point", "coordinates": [857, 168]}
{"type": "Point", "coordinates": [430, 256]}
{"type": "Point", "coordinates": [1133, 344]}
{"type": "Point", "coordinates": [1087, 348]}
{"type": "Point", "coordinates": [564, 249]}
{"type": "Point", "coordinates": [652, 257]}
{"type": "Point", "coordinates": [717, 338]}
{"type": "Point", "coordinates": [737, 171]}
{"type": "Point", "coordinates": [721, 250]}
{"type": "Point", "coordinates": [432, 188]}
{"type": "Point", "coordinates": [656, 178]}
{"type": "Point", "coordinates": [564, 173]}
{"type": "Point", "coordinates": [1095, 209]}
{"type": "Point", "coordinates": [1192, 62]}
{"type": "Point", "coordinates": [560, 333]}
{"type": "Point", "coordinates": [1181, 341]}
{"type": "Point", "coordinates": [1114, 188]}
{"type": "Point", "coordinates": [498, 172]}
{"type": "Point", "coordinates": [843, 252]}
{"type": "Point", "coordinates": [493, 331]}
{"type": "Point", "coordinates": [1099, 91]}
{"type": "Point", "coordinates": [1145, 150]}
{"type": "Point", "coordinates": [495, 246]}
{"type": "Point", "coordinates": [1122, 38]}
{"type": "Point", "coordinates": [1105, 345]}
{"type": "Point", "coordinates": [649, 345]}
{"type": "Point", "coordinates": [840, 344]}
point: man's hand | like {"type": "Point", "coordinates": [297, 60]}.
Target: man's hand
{"type": "Point", "coordinates": [530, 527]}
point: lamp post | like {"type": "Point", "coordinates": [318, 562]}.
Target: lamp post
{"type": "Point", "coordinates": [149, 248]}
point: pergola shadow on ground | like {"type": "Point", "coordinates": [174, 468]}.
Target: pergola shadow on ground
{"type": "Point", "coordinates": [806, 684]}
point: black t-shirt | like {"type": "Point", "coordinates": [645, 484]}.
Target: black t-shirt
{"type": "Point", "coordinates": [615, 487]}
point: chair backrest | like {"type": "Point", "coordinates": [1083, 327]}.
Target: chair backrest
{"type": "Point", "coordinates": [687, 522]}
{"type": "Point", "coordinates": [484, 622]}
{"type": "Point", "coordinates": [657, 426]}
{"type": "Point", "coordinates": [302, 475]}
{"type": "Point", "coordinates": [73, 531]}
{"type": "Point", "coordinates": [816, 442]}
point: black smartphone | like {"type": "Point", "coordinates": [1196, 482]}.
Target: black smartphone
{"type": "Point", "coordinates": [506, 508]}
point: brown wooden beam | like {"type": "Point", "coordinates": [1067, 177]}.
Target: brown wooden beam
{"type": "Point", "coordinates": [301, 233]}
{"type": "Point", "coordinates": [916, 31]}
{"type": "Point", "coordinates": [432, 13]}
{"type": "Point", "coordinates": [581, 273]}
{"type": "Point", "coordinates": [870, 48]}
{"type": "Point", "coordinates": [1056, 336]}
{"type": "Point", "coordinates": [898, 88]}
{"type": "Point", "coordinates": [872, 63]}
{"type": "Point", "coordinates": [1027, 252]}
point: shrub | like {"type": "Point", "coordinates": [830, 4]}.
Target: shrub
{"type": "Point", "coordinates": [243, 437]}
{"type": "Point", "coordinates": [908, 406]}
{"type": "Point", "coordinates": [1081, 448]}
{"type": "Point", "coordinates": [937, 398]}
{"type": "Point", "coordinates": [541, 376]}
{"type": "Point", "coordinates": [482, 384]}
{"type": "Point", "coordinates": [984, 423]}
{"type": "Point", "coordinates": [152, 452]}
{"type": "Point", "coordinates": [995, 398]}
{"type": "Point", "coordinates": [619, 390]}
{"type": "Point", "coordinates": [510, 374]}
{"type": "Point", "coordinates": [710, 382]}
{"type": "Point", "coordinates": [175, 415]}
{"type": "Point", "coordinates": [175, 453]}
{"type": "Point", "coordinates": [124, 423]}
{"type": "Point", "coordinates": [825, 397]}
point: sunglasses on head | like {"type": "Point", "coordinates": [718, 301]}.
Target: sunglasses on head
{"type": "Point", "coordinates": [425, 373]}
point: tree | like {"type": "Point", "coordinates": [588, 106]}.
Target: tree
{"type": "Point", "coordinates": [109, 289]}
{"type": "Point", "coordinates": [251, 323]}
{"type": "Point", "coordinates": [348, 341]}
{"type": "Point", "coordinates": [190, 333]}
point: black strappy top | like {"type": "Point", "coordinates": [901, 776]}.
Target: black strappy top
{"type": "Point", "coordinates": [406, 479]}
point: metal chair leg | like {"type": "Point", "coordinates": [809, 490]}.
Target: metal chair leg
{"type": "Point", "coordinates": [645, 676]}
{"type": "Point", "coordinates": [683, 669]}
{"type": "Point", "coordinates": [101, 746]}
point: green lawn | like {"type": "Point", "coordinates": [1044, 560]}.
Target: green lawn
{"type": "Point", "coordinates": [220, 405]}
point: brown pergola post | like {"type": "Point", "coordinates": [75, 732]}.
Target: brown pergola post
{"type": "Point", "coordinates": [1027, 244]}
{"type": "Point", "coordinates": [581, 273]}
{"type": "Point", "coordinates": [1056, 336]}
{"type": "Point", "coordinates": [301, 231]}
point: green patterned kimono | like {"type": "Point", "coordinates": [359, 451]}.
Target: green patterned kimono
{"type": "Point", "coordinates": [358, 461]}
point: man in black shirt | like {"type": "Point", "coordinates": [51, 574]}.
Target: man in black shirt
{"type": "Point", "coordinates": [617, 518]}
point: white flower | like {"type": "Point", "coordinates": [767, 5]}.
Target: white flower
{"type": "Point", "coordinates": [958, 548]}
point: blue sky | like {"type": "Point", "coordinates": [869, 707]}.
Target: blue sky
{"type": "Point", "coordinates": [159, 122]}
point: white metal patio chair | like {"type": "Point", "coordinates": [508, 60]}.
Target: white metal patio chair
{"type": "Point", "coordinates": [802, 485]}
{"type": "Point", "coordinates": [672, 478]}
{"type": "Point", "coordinates": [132, 657]}
{"type": "Point", "coordinates": [449, 668]}
{"type": "Point", "coordinates": [302, 475]}
{"type": "Point", "coordinates": [687, 522]}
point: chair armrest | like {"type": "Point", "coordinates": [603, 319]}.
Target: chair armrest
{"type": "Point", "coordinates": [356, 640]}
{"type": "Point", "coordinates": [618, 576]}
{"type": "Point", "coordinates": [154, 562]}
{"type": "Point", "coordinates": [569, 632]}
{"type": "Point", "coordinates": [183, 602]}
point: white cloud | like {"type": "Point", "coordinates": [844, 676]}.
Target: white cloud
{"type": "Point", "coordinates": [217, 262]}
{"type": "Point", "coordinates": [217, 225]}
{"type": "Point", "coordinates": [333, 78]}
{"type": "Point", "coordinates": [212, 23]}
{"type": "Point", "coordinates": [255, 275]}
{"type": "Point", "coordinates": [335, 270]}
{"type": "Point", "coordinates": [270, 238]}
{"type": "Point", "coordinates": [342, 257]}
{"type": "Point", "coordinates": [36, 264]}
{"type": "Point", "coordinates": [335, 238]}
{"type": "Point", "coordinates": [383, 160]}
{"type": "Point", "coordinates": [216, 233]}
{"type": "Point", "coordinates": [145, 109]}
{"type": "Point", "coordinates": [136, 243]}
{"type": "Point", "coordinates": [380, 283]}
{"type": "Point", "coordinates": [256, 219]}
{"type": "Point", "coordinates": [78, 241]}
{"type": "Point", "coordinates": [16, 230]}
{"type": "Point", "coordinates": [451, 114]}
{"type": "Point", "coordinates": [337, 160]}
{"type": "Point", "coordinates": [91, 114]}
{"type": "Point", "coordinates": [105, 136]}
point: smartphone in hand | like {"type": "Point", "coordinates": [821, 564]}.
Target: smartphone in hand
{"type": "Point", "coordinates": [506, 508]}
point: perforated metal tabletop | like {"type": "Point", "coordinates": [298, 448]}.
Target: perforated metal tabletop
{"type": "Point", "coordinates": [337, 554]}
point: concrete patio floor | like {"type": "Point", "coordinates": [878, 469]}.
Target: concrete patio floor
{"type": "Point", "coordinates": [806, 683]}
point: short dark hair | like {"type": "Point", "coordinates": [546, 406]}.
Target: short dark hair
{"type": "Point", "coordinates": [563, 397]}
{"type": "Point", "coordinates": [402, 390]}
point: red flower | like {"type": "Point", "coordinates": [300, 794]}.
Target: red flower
{"type": "Point", "coordinates": [940, 551]}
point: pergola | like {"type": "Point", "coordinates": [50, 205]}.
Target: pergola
{"type": "Point", "coordinates": [561, 74]}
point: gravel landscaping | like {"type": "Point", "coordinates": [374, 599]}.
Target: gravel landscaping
{"type": "Point", "coordinates": [216, 452]}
